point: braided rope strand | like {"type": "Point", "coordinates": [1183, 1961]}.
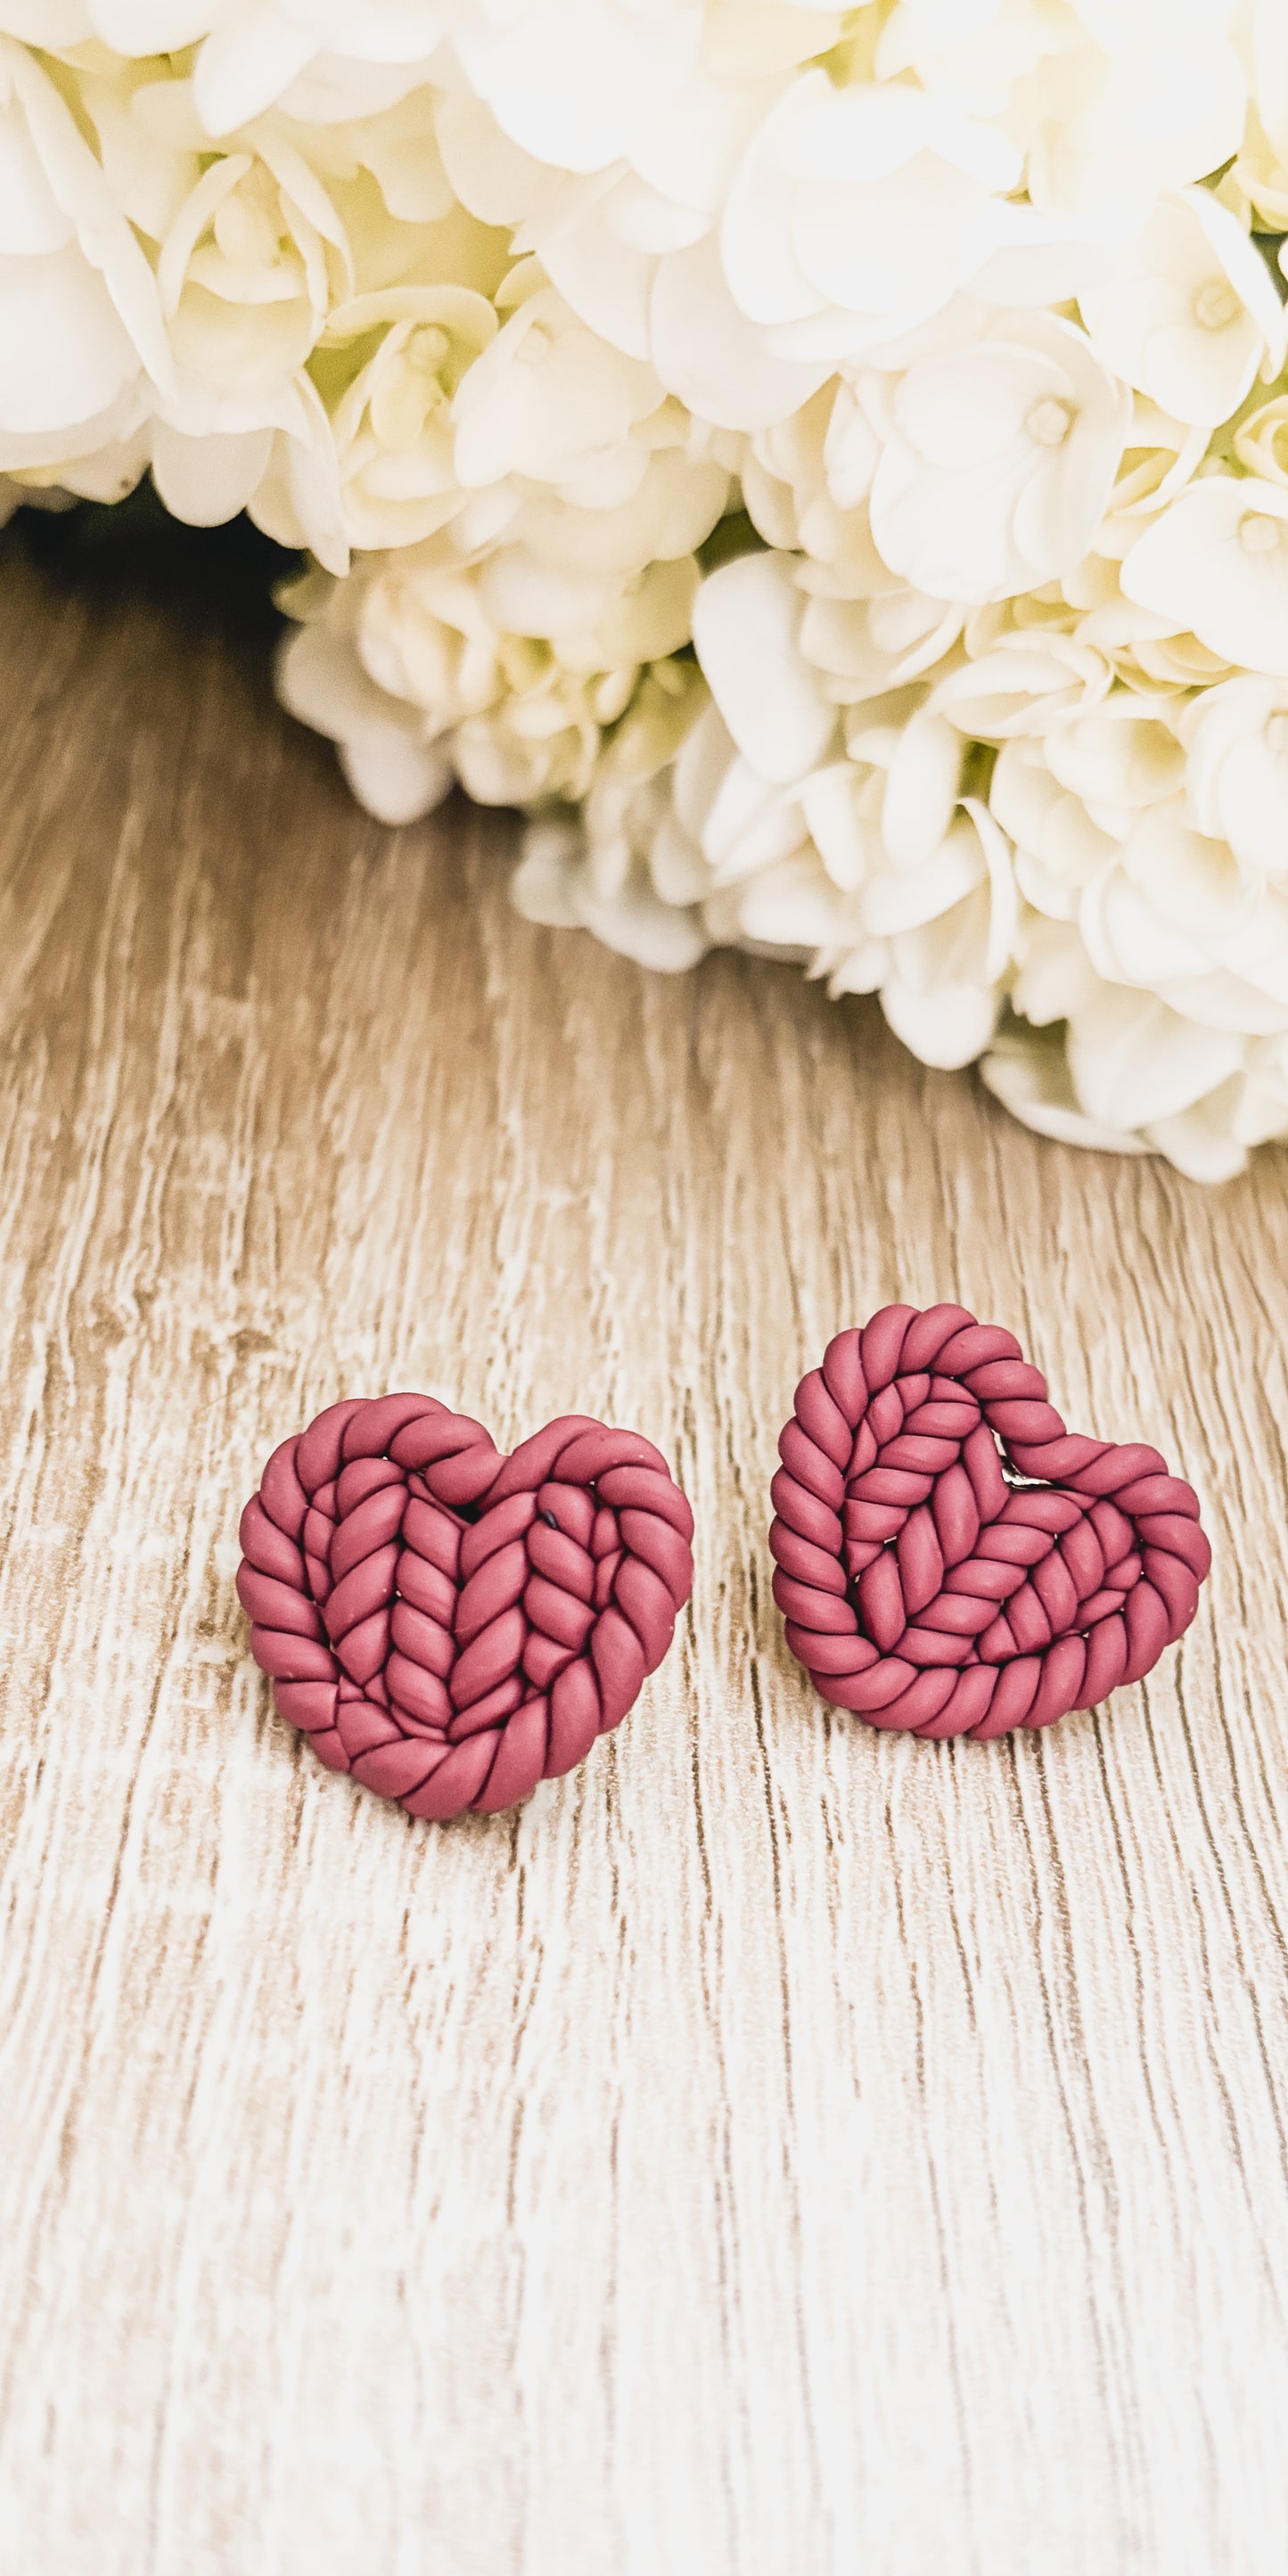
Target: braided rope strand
{"type": "Point", "coordinates": [930, 1590]}
{"type": "Point", "coordinates": [449, 1625]}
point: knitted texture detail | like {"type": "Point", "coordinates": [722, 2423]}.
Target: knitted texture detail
{"type": "Point", "coordinates": [929, 1588]}
{"type": "Point", "coordinates": [449, 1625]}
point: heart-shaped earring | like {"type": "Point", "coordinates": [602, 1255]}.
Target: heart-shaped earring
{"type": "Point", "coordinates": [449, 1625]}
{"type": "Point", "coordinates": [951, 1560]}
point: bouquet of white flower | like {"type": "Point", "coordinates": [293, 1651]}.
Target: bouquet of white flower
{"type": "Point", "coordinates": [828, 466]}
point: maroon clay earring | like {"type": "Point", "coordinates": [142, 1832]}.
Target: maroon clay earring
{"type": "Point", "coordinates": [449, 1625]}
{"type": "Point", "coordinates": [950, 1559]}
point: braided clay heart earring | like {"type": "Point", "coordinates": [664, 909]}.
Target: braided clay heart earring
{"type": "Point", "coordinates": [449, 1625]}
{"type": "Point", "coordinates": [951, 1560]}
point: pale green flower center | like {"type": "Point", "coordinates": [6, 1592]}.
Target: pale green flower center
{"type": "Point", "coordinates": [1216, 305]}
{"type": "Point", "coordinates": [1050, 421]}
{"type": "Point", "coordinates": [407, 394]}
{"type": "Point", "coordinates": [427, 348]}
{"type": "Point", "coordinates": [1258, 535]}
{"type": "Point", "coordinates": [248, 225]}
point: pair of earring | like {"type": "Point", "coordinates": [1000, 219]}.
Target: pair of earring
{"type": "Point", "coordinates": [452, 1626]}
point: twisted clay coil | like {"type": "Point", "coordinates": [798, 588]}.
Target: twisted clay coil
{"type": "Point", "coordinates": [951, 1560]}
{"type": "Point", "coordinates": [449, 1625]}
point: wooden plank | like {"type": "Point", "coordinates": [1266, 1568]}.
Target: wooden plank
{"type": "Point", "coordinates": [778, 2148]}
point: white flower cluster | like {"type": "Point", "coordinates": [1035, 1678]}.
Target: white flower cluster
{"type": "Point", "coordinates": [828, 466]}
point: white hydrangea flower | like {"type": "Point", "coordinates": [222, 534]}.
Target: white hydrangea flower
{"type": "Point", "coordinates": [550, 403]}
{"type": "Point", "coordinates": [707, 851]}
{"type": "Point", "coordinates": [1162, 455]}
{"type": "Point", "coordinates": [932, 928]}
{"type": "Point", "coordinates": [248, 270]}
{"type": "Point", "coordinates": [425, 666]}
{"type": "Point", "coordinates": [1236, 774]}
{"type": "Point", "coordinates": [1264, 46]}
{"type": "Point", "coordinates": [747, 632]}
{"type": "Point", "coordinates": [1163, 946]}
{"type": "Point", "coordinates": [983, 54]}
{"type": "Point", "coordinates": [400, 357]}
{"type": "Point", "coordinates": [84, 346]}
{"type": "Point", "coordinates": [1068, 802]}
{"type": "Point", "coordinates": [1175, 915]}
{"type": "Point", "coordinates": [1189, 314]}
{"type": "Point", "coordinates": [999, 460]}
{"type": "Point", "coordinates": [511, 412]}
{"type": "Point", "coordinates": [271, 258]}
{"type": "Point", "coordinates": [630, 866]}
{"type": "Point", "coordinates": [806, 480]}
{"type": "Point", "coordinates": [807, 873]}
{"type": "Point", "coordinates": [857, 212]}
{"type": "Point", "coordinates": [1261, 441]}
{"type": "Point", "coordinates": [1260, 178]}
{"type": "Point", "coordinates": [1152, 97]}
{"type": "Point", "coordinates": [850, 847]}
{"type": "Point", "coordinates": [1148, 652]}
{"type": "Point", "coordinates": [1126, 1055]}
{"type": "Point", "coordinates": [254, 54]}
{"type": "Point", "coordinates": [396, 759]}
{"type": "Point", "coordinates": [607, 240]}
{"type": "Point", "coordinates": [1215, 561]}
{"type": "Point", "coordinates": [577, 82]}
{"type": "Point", "coordinates": [852, 843]}
{"type": "Point", "coordinates": [633, 247]}
{"type": "Point", "coordinates": [1021, 681]}
{"type": "Point", "coordinates": [865, 647]}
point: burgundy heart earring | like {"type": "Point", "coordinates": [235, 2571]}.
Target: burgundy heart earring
{"type": "Point", "coordinates": [449, 1625]}
{"type": "Point", "coordinates": [951, 1560]}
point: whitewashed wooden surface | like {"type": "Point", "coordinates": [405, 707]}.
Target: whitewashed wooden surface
{"type": "Point", "coordinates": [778, 2150]}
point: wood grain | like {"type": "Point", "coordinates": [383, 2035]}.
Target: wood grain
{"type": "Point", "coordinates": [779, 2149]}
